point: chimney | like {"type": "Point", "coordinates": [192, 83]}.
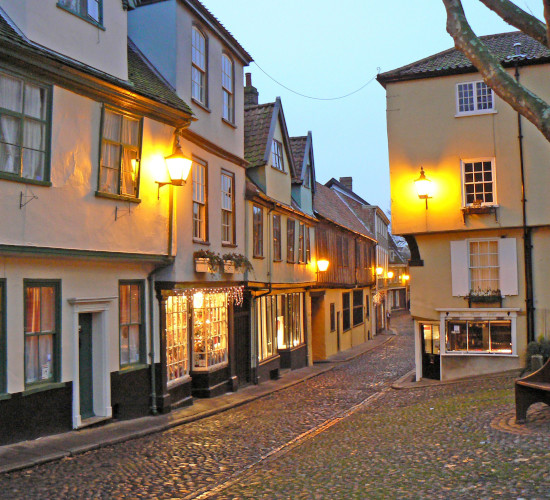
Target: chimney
{"type": "Point", "coordinates": [347, 182]}
{"type": "Point", "coordinates": [250, 92]}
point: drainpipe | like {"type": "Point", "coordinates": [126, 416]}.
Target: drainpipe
{"type": "Point", "coordinates": [151, 284]}
{"type": "Point", "coordinates": [527, 244]}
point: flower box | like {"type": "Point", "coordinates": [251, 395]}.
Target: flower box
{"type": "Point", "coordinates": [202, 265]}
{"type": "Point", "coordinates": [228, 267]}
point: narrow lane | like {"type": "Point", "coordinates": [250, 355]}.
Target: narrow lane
{"type": "Point", "coordinates": [190, 460]}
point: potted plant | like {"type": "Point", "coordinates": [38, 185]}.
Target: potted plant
{"type": "Point", "coordinates": [207, 261]}
{"type": "Point", "coordinates": [239, 261]}
{"type": "Point", "coordinates": [489, 295]}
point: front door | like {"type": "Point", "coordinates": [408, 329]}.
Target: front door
{"type": "Point", "coordinates": [85, 365]}
{"type": "Point", "coordinates": [430, 351]}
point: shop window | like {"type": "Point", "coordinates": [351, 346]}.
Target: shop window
{"type": "Point", "coordinates": [177, 334]}
{"type": "Point", "coordinates": [493, 336]}
{"type": "Point", "coordinates": [290, 318]}
{"type": "Point", "coordinates": [266, 318]}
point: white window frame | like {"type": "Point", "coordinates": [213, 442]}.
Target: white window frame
{"type": "Point", "coordinates": [199, 63]}
{"type": "Point", "coordinates": [277, 158]}
{"type": "Point", "coordinates": [476, 110]}
{"type": "Point", "coordinates": [463, 161]}
{"type": "Point", "coordinates": [227, 207]}
{"type": "Point", "coordinates": [228, 95]}
{"type": "Point", "coordinates": [477, 314]}
{"type": "Point", "coordinates": [200, 201]}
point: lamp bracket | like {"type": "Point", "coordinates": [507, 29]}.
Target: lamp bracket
{"type": "Point", "coordinates": [161, 184]}
{"type": "Point", "coordinates": [117, 210]}
{"type": "Point", "coordinates": [27, 198]}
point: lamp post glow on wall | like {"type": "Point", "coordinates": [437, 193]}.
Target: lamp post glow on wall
{"type": "Point", "coordinates": [322, 265]}
{"type": "Point", "coordinates": [390, 275]}
{"type": "Point", "coordinates": [178, 166]}
{"type": "Point", "coordinates": [423, 187]}
{"type": "Point", "coordinates": [379, 271]}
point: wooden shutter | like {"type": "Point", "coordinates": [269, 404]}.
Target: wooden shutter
{"type": "Point", "coordinates": [508, 264]}
{"type": "Point", "coordinates": [459, 268]}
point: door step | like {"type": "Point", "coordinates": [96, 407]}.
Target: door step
{"type": "Point", "coordinates": [93, 421]}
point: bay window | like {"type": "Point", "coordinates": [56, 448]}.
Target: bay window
{"type": "Point", "coordinates": [290, 318]}
{"type": "Point", "coordinates": [24, 129]}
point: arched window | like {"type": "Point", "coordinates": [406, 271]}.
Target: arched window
{"type": "Point", "coordinates": [198, 72]}
{"type": "Point", "coordinates": [227, 89]}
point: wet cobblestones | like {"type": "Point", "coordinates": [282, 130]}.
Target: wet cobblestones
{"type": "Point", "coordinates": [432, 442]}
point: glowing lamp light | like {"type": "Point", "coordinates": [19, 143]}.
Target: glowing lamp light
{"type": "Point", "coordinates": [379, 271]}
{"type": "Point", "coordinates": [322, 265]}
{"type": "Point", "coordinates": [423, 187]}
{"type": "Point", "coordinates": [406, 277]}
{"type": "Point", "coordinates": [390, 274]}
{"type": "Point", "coordinates": [178, 166]}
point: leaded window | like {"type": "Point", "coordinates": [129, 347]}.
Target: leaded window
{"type": "Point", "coordinates": [131, 323]}
{"type": "Point", "coordinates": [227, 89]}
{"type": "Point", "coordinates": [42, 330]}
{"type": "Point", "coordinates": [479, 186]}
{"type": "Point", "coordinates": [199, 201]}
{"type": "Point", "coordinates": [120, 148]}
{"type": "Point", "coordinates": [198, 68]}
{"type": "Point", "coordinates": [24, 128]}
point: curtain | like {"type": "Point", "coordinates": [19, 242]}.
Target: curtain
{"type": "Point", "coordinates": [9, 150]}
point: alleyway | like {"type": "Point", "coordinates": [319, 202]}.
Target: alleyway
{"type": "Point", "coordinates": [316, 440]}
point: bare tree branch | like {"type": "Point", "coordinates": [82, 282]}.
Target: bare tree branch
{"type": "Point", "coordinates": [547, 18]}
{"type": "Point", "coordinates": [520, 19]}
{"type": "Point", "coordinates": [503, 84]}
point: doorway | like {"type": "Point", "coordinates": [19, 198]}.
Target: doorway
{"type": "Point", "coordinates": [430, 351]}
{"type": "Point", "coordinates": [85, 365]}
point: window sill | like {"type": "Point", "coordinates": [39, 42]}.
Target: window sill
{"type": "Point", "coordinates": [271, 358]}
{"type": "Point", "coordinates": [201, 242]}
{"type": "Point", "coordinates": [15, 178]}
{"type": "Point", "coordinates": [258, 257]}
{"type": "Point", "coordinates": [76, 14]}
{"type": "Point", "coordinates": [133, 368]}
{"type": "Point", "coordinates": [4, 397]}
{"type": "Point", "coordinates": [228, 123]}
{"type": "Point", "coordinates": [477, 113]}
{"type": "Point", "coordinates": [277, 260]}
{"type": "Point", "coordinates": [180, 381]}
{"type": "Point", "coordinates": [207, 369]}
{"type": "Point", "coordinates": [118, 197]}
{"type": "Point", "coordinates": [201, 105]}
{"type": "Point", "coordinates": [477, 354]}
{"type": "Point", "coordinates": [359, 324]}
{"type": "Point", "coordinates": [229, 245]}
{"type": "Point", "coordinates": [42, 387]}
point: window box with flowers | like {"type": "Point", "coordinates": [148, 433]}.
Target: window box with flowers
{"type": "Point", "coordinates": [239, 262]}
{"type": "Point", "coordinates": [207, 261]}
{"type": "Point", "coordinates": [484, 297]}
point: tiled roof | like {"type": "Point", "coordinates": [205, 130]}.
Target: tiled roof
{"type": "Point", "coordinates": [452, 61]}
{"type": "Point", "coordinates": [330, 206]}
{"type": "Point", "coordinates": [257, 122]}
{"type": "Point", "coordinates": [143, 78]}
{"type": "Point", "coordinates": [298, 146]}
{"type": "Point", "coordinates": [148, 82]}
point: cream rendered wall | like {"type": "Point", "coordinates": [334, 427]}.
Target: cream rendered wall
{"type": "Point", "coordinates": [89, 223]}
{"type": "Point", "coordinates": [282, 272]}
{"type": "Point", "coordinates": [53, 27]}
{"type": "Point", "coordinates": [278, 184]}
{"type": "Point", "coordinates": [79, 279]}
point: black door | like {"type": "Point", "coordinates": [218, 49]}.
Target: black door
{"type": "Point", "coordinates": [430, 351]}
{"type": "Point", "coordinates": [85, 365]}
{"type": "Point", "coordinates": [241, 325]}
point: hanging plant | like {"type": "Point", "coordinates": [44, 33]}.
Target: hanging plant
{"type": "Point", "coordinates": [207, 261]}
{"type": "Point", "coordinates": [240, 261]}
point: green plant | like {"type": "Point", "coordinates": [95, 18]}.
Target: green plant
{"type": "Point", "coordinates": [542, 347]}
{"type": "Point", "coordinates": [240, 260]}
{"type": "Point", "coordinates": [214, 259]}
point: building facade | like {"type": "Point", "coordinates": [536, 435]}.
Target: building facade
{"type": "Point", "coordinates": [478, 275]}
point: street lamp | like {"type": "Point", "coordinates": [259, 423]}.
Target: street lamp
{"type": "Point", "coordinates": [178, 166]}
{"type": "Point", "coordinates": [322, 265]}
{"type": "Point", "coordinates": [390, 275]}
{"type": "Point", "coordinates": [379, 271]}
{"type": "Point", "coordinates": [423, 187]}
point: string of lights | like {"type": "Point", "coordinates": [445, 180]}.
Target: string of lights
{"type": "Point", "coordinates": [234, 293]}
{"type": "Point", "coordinates": [313, 97]}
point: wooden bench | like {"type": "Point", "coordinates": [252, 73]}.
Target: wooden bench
{"type": "Point", "coordinates": [534, 388]}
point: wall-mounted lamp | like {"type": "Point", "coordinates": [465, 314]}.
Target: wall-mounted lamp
{"type": "Point", "coordinates": [379, 271]}
{"type": "Point", "coordinates": [178, 167]}
{"type": "Point", "coordinates": [322, 265]}
{"type": "Point", "coordinates": [390, 275]}
{"type": "Point", "coordinates": [423, 187]}
{"type": "Point", "coordinates": [405, 278]}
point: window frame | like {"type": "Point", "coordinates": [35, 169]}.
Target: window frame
{"type": "Point", "coordinates": [180, 311]}
{"type": "Point", "coordinates": [277, 156]}
{"type": "Point", "coordinates": [332, 312]}
{"type": "Point", "coordinates": [301, 243]}
{"type": "Point", "coordinates": [56, 341]}
{"type": "Point", "coordinates": [291, 240]}
{"type": "Point", "coordinates": [203, 71]}
{"type": "Point", "coordinates": [475, 111]}
{"type": "Point", "coordinates": [308, 244]}
{"type": "Point", "coordinates": [233, 234]}
{"type": "Point", "coordinates": [230, 118]}
{"type": "Point", "coordinates": [138, 149]}
{"type": "Point", "coordinates": [482, 160]}
{"type": "Point", "coordinates": [257, 231]}
{"type": "Point", "coordinates": [277, 239]}
{"type": "Point", "coordinates": [142, 338]}
{"type": "Point", "coordinates": [346, 311]}
{"type": "Point", "coordinates": [357, 308]}
{"type": "Point", "coordinates": [86, 17]}
{"type": "Point", "coordinates": [204, 166]}
{"type": "Point", "coordinates": [471, 241]}
{"type": "Point", "coordinates": [21, 117]}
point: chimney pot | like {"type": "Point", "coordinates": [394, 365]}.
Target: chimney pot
{"type": "Point", "coordinates": [347, 182]}
{"type": "Point", "coordinates": [250, 92]}
{"type": "Point", "coordinates": [249, 79]}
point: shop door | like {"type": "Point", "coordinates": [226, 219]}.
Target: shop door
{"type": "Point", "coordinates": [85, 365]}
{"type": "Point", "coordinates": [430, 351]}
{"type": "Point", "coordinates": [241, 325]}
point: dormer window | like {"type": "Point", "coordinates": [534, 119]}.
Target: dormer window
{"type": "Point", "coordinates": [277, 156]}
{"type": "Point", "coordinates": [198, 71]}
{"type": "Point", "coordinates": [91, 10]}
{"type": "Point", "coordinates": [227, 89]}
{"type": "Point", "coordinates": [474, 98]}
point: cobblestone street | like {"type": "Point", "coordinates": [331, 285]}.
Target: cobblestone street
{"type": "Point", "coordinates": [342, 434]}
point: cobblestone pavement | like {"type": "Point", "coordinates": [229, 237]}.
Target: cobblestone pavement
{"type": "Point", "coordinates": [362, 440]}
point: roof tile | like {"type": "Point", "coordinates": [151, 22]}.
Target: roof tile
{"type": "Point", "coordinates": [257, 122]}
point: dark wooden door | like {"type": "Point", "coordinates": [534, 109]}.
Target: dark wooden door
{"type": "Point", "coordinates": [85, 368]}
{"type": "Point", "coordinates": [241, 325]}
{"type": "Point", "coordinates": [430, 351]}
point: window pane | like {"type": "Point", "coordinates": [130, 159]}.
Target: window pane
{"type": "Point", "coordinates": [130, 171]}
{"type": "Point", "coordinates": [124, 346]}
{"type": "Point", "coordinates": [11, 93]}
{"type": "Point", "coordinates": [130, 131]}
{"type": "Point", "coordinates": [501, 336]}
{"type": "Point", "coordinates": [32, 313]}
{"type": "Point", "coordinates": [135, 304]}
{"type": "Point", "coordinates": [48, 309]}
{"type": "Point", "coordinates": [456, 336]}
{"type": "Point", "coordinates": [45, 350]}
{"type": "Point", "coordinates": [31, 359]}
{"type": "Point", "coordinates": [133, 344]}
{"type": "Point", "coordinates": [478, 336]}
{"type": "Point", "coordinates": [112, 126]}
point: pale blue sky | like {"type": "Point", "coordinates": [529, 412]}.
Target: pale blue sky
{"type": "Point", "coordinates": [324, 48]}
